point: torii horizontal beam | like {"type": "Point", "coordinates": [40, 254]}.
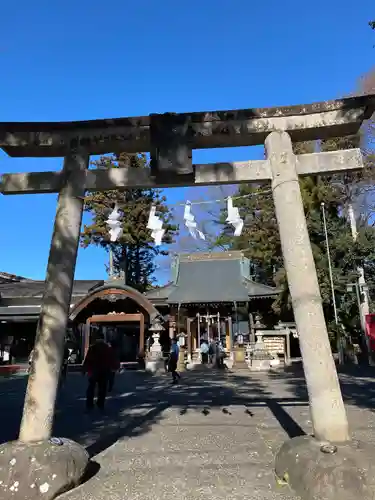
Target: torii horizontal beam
{"type": "Point", "coordinates": [244, 127]}
{"type": "Point", "coordinates": [206, 174]}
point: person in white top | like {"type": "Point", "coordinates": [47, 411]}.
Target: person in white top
{"type": "Point", "coordinates": [5, 356]}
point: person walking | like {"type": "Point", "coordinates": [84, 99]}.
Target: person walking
{"type": "Point", "coordinates": [98, 364]}
{"type": "Point", "coordinates": [220, 355]}
{"type": "Point", "coordinates": [173, 359]}
{"type": "Point", "coordinates": [211, 351]}
{"type": "Point", "coordinates": [205, 349]}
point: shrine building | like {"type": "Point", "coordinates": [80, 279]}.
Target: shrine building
{"type": "Point", "coordinates": [210, 296]}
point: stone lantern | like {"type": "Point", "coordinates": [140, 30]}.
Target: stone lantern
{"type": "Point", "coordinates": [155, 363]}
{"type": "Point", "coordinates": [156, 328]}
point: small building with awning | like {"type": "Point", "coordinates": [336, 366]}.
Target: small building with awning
{"type": "Point", "coordinates": [96, 304]}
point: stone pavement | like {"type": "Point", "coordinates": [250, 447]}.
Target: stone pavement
{"type": "Point", "coordinates": [212, 437]}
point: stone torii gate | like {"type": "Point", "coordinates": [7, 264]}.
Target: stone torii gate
{"type": "Point", "coordinates": [170, 138]}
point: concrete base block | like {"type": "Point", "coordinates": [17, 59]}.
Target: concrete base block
{"type": "Point", "coordinates": [193, 365]}
{"type": "Point", "coordinates": [325, 471]}
{"type": "Point", "coordinates": [258, 365]}
{"type": "Point", "coordinates": [43, 469]}
{"type": "Point", "coordinates": [275, 362]}
{"type": "Point", "coordinates": [155, 366]}
{"type": "Point", "coordinates": [228, 362]}
{"type": "Point", "coordinates": [239, 355]}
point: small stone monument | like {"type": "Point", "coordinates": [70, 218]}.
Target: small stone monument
{"type": "Point", "coordinates": [155, 357]}
{"type": "Point", "coordinates": [181, 366]}
{"type": "Point", "coordinates": [260, 357]}
{"type": "Point", "coordinates": [258, 322]}
{"type": "Point", "coordinates": [155, 349]}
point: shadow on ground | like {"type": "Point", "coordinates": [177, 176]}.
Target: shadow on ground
{"type": "Point", "coordinates": [198, 392]}
{"type": "Point", "coordinates": [139, 400]}
{"type": "Point", "coordinates": [357, 384]}
{"type": "Point", "coordinates": [138, 403]}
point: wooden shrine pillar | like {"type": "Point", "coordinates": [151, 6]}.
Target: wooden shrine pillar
{"type": "Point", "coordinates": [189, 342]}
{"type": "Point", "coordinates": [199, 331]}
{"type": "Point", "coordinates": [86, 336]}
{"type": "Point", "coordinates": [194, 334]}
{"type": "Point", "coordinates": [229, 334]}
{"type": "Point", "coordinates": [172, 324]}
{"type": "Point", "coordinates": [287, 352]}
{"type": "Point", "coordinates": [141, 334]}
{"type": "Point", "coordinates": [251, 327]}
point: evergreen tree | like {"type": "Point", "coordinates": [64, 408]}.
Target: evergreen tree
{"type": "Point", "coordinates": [134, 253]}
{"type": "Point", "coordinates": [261, 243]}
{"type": "Point", "coordinates": [354, 189]}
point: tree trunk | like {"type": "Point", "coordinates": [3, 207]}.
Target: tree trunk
{"type": "Point", "coordinates": [137, 268]}
{"type": "Point", "coordinates": [124, 263]}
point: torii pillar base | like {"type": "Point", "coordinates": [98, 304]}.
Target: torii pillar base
{"type": "Point", "coordinates": [325, 471]}
{"type": "Point", "coordinates": [43, 469]}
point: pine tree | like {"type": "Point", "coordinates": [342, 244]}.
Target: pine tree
{"type": "Point", "coordinates": [134, 253]}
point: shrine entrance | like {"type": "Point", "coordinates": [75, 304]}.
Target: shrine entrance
{"type": "Point", "coordinates": [210, 327]}
{"type": "Point", "coordinates": [196, 328]}
{"type": "Point", "coordinates": [125, 333]}
{"type": "Point", "coordinates": [118, 312]}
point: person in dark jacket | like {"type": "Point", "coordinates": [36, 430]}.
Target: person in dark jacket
{"type": "Point", "coordinates": [115, 368]}
{"type": "Point", "coordinates": [98, 365]}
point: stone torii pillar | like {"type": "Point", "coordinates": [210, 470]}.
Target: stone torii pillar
{"type": "Point", "coordinates": [303, 461]}
{"type": "Point", "coordinates": [40, 397]}
{"type": "Point", "coordinates": [320, 371]}
{"type": "Point", "coordinates": [42, 456]}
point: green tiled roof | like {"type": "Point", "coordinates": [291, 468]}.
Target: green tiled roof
{"type": "Point", "coordinates": [161, 293]}
{"type": "Point", "coordinates": [204, 278]}
{"type": "Point", "coordinates": [209, 281]}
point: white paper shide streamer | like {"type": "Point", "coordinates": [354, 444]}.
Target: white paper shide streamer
{"type": "Point", "coordinates": [114, 223]}
{"type": "Point", "coordinates": [156, 226]}
{"type": "Point", "coordinates": [234, 217]}
{"type": "Point", "coordinates": [191, 224]}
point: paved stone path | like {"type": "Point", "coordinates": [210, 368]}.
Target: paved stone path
{"type": "Point", "coordinates": [212, 437]}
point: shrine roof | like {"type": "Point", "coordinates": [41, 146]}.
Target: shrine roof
{"type": "Point", "coordinates": [35, 288]}
{"type": "Point", "coordinates": [161, 293]}
{"type": "Point", "coordinates": [10, 278]}
{"type": "Point", "coordinates": [259, 290]}
{"type": "Point", "coordinates": [218, 278]}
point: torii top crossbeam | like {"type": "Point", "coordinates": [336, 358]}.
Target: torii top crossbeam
{"type": "Point", "coordinates": [211, 129]}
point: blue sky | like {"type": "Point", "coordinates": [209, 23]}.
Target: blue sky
{"type": "Point", "coordinates": [91, 59]}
